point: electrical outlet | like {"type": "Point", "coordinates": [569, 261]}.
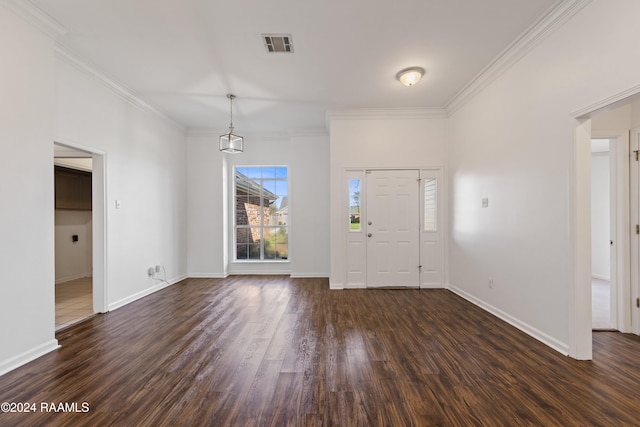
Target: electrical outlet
{"type": "Point", "coordinates": [490, 282]}
{"type": "Point", "coordinates": [158, 268]}
{"type": "Point", "coordinates": [151, 271]}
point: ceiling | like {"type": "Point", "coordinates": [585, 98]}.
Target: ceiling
{"type": "Point", "coordinates": [183, 56]}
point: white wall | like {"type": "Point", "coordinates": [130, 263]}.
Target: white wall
{"type": "Point", "coordinates": [145, 170]}
{"type": "Point", "coordinates": [73, 260]}
{"type": "Point", "coordinates": [206, 207]}
{"type": "Point", "coordinates": [310, 206]}
{"type": "Point", "coordinates": [635, 115]}
{"type": "Point", "coordinates": [617, 119]}
{"type": "Point", "coordinates": [513, 143]}
{"type": "Point", "coordinates": [385, 141]}
{"type": "Point", "coordinates": [26, 172]}
{"type": "Point", "coordinates": [600, 216]}
{"type": "Point", "coordinates": [210, 203]}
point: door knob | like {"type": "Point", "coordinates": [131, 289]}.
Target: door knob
{"type": "Point", "coordinates": [369, 235]}
{"type": "Point", "coordinates": [369, 223]}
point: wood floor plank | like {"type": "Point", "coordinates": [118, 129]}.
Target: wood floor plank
{"type": "Point", "coordinates": [276, 351]}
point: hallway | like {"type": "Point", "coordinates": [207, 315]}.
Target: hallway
{"type": "Point", "coordinates": [74, 302]}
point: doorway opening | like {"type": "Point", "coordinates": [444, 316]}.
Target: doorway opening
{"type": "Point", "coordinates": [603, 228]}
{"type": "Point", "coordinates": [80, 290]}
{"type": "Point", "coordinates": [611, 120]}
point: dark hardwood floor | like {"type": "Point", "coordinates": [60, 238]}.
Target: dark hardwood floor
{"type": "Point", "coordinates": [275, 351]}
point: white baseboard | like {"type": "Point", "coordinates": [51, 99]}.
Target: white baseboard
{"type": "Point", "coordinates": [265, 273]}
{"type": "Point", "coordinates": [432, 286]}
{"type": "Point", "coordinates": [74, 277]}
{"type": "Point", "coordinates": [146, 292]}
{"type": "Point", "coordinates": [28, 356]}
{"type": "Point", "coordinates": [524, 327]}
{"type": "Point", "coordinates": [208, 275]}
{"type": "Point", "coordinates": [355, 286]}
{"type": "Point", "coordinates": [251, 272]}
{"type": "Point", "coordinates": [336, 286]}
{"type": "Point", "coordinates": [309, 275]}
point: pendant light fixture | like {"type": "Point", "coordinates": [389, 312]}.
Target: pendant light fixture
{"type": "Point", "coordinates": [229, 142]}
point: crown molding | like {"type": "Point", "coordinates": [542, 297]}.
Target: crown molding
{"type": "Point", "coordinates": [385, 113]}
{"type": "Point", "coordinates": [555, 17]}
{"type": "Point", "coordinates": [31, 13]}
{"type": "Point", "coordinates": [44, 22]}
{"type": "Point", "coordinates": [609, 103]}
{"type": "Point", "coordinates": [118, 89]}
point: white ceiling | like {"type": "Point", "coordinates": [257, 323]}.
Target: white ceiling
{"type": "Point", "coordinates": [184, 56]}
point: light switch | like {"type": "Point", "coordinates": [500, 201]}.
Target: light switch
{"type": "Point", "coordinates": [118, 204]}
{"type": "Point", "coordinates": [485, 203]}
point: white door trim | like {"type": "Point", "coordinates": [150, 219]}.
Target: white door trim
{"type": "Point", "coordinates": [354, 277]}
{"type": "Point", "coordinates": [99, 222]}
{"type": "Point", "coordinates": [634, 191]}
{"type": "Point", "coordinates": [580, 333]}
{"type": "Point", "coordinates": [621, 226]}
{"type": "Point", "coordinates": [579, 307]}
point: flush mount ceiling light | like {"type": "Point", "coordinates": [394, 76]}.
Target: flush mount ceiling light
{"type": "Point", "coordinates": [229, 142]}
{"type": "Point", "coordinates": [410, 76]}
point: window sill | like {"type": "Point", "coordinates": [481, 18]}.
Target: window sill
{"type": "Point", "coordinates": [257, 261]}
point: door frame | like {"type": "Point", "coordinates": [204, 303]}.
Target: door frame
{"type": "Point", "coordinates": [355, 243]}
{"type": "Point", "coordinates": [619, 152]}
{"type": "Point", "coordinates": [579, 305]}
{"type": "Point", "coordinates": [99, 222]}
{"type": "Point", "coordinates": [634, 196]}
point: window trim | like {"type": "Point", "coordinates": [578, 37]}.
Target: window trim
{"type": "Point", "coordinates": [234, 225]}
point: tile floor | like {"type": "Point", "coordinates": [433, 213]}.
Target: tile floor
{"type": "Point", "coordinates": [74, 301]}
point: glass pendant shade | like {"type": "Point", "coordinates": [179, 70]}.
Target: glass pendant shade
{"type": "Point", "coordinates": [230, 142]}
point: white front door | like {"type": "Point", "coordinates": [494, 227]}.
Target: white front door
{"type": "Point", "coordinates": [392, 227]}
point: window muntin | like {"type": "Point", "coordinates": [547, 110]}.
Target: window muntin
{"type": "Point", "coordinates": [261, 213]}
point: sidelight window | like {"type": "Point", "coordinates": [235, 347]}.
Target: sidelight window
{"type": "Point", "coordinates": [430, 204]}
{"type": "Point", "coordinates": [354, 205]}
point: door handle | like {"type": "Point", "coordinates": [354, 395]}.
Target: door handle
{"type": "Point", "coordinates": [369, 235]}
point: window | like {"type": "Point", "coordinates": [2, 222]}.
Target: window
{"type": "Point", "coordinates": [430, 204]}
{"type": "Point", "coordinates": [354, 205]}
{"type": "Point", "coordinates": [261, 213]}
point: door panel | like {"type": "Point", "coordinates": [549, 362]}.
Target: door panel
{"type": "Point", "coordinates": [393, 242]}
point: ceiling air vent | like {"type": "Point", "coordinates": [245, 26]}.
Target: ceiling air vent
{"type": "Point", "coordinates": [278, 43]}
